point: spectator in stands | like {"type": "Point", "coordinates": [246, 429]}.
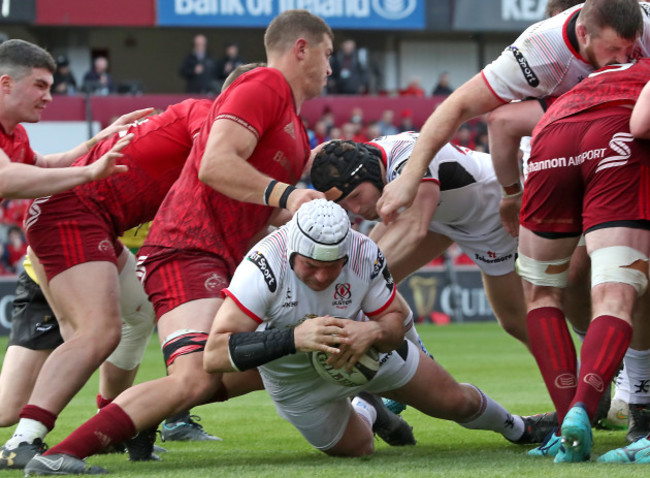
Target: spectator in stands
{"type": "Point", "coordinates": [320, 133]}
{"type": "Point", "coordinates": [482, 143]}
{"type": "Point", "coordinates": [443, 88]}
{"type": "Point", "coordinates": [226, 64]}
{"type": "Point", "coordinates": [63, 80]}
{"type": "Point", "coordinates": [464, 137]}
{"type": "Point", "coordinates": [15, 248]}
{"type": "Point", "coordinates": [350, 70]}
{"type": "Point", "coordinates": [98, 81]}
{"type": "Point", "coordinates": [373, 131]}
{"type": "Point", "coordinates": [198, 68]}
{"type": "Point", "coordinates": [406, 121]}
{"type": "Point", "coordinates": [413, 89]}
{"type": "Point", "coordinates": [386, 123]}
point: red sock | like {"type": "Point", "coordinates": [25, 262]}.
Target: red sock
{"type": "Point", "coordinates": [553, 349]}
{"type": "Point", "coordinates": [110, 425]}
{"type": "Point", "coordinates": [602, 351]}
{"type": "Point", "coordinates": [102, 402]}
{"type": "Point", "coordinates": [40, 415]}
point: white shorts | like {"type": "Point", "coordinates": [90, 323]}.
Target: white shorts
{"type": "Point", "coordinates": [494, 252]}
{"type": "Point", "coordinates": [320, 410]}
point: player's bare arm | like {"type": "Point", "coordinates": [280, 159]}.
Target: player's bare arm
{"type": "Point", "coordinates": [384, 331]}
{"type": "Point", "coordinates": [472, 99]}
{"type": "Point", "coordinates": [19, 180]}
{"type": "Point", "coordinates": [640, 119]}
{"type": "Point", "coordinates": [225, 168]}
{"type": "Point", "coordinates": [66, 158]}
{"type": "Point", "coordinates": [400, 239]}
{"type": "Point", "coordinates": [507, 124]}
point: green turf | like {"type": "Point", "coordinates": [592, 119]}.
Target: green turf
{"type": "Point", "coordinates": [256, 442]}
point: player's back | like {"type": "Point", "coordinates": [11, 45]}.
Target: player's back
{"type": "Point", "coordinates": [155, 158]}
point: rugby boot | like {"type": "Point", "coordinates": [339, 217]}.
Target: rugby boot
{"type": "Point", "coordinates": [638, 422]}
{"type": "Point", "coordinates": [17, 458]}
{"type": "Point", "coordinates": [537, 428]}
{"type": "Point", "coordinates": [576, 436]}
{"type": "Point", "coordinates": [549, 447]}
{"type": "Point", "coordinates": [389, 427]}
{"type": "Point", "coordinates": [140, 447]}
{"type": "Point", "coordinates": [61, 464]}
{"type": "Point", "coordinates": [185, 428]}
{"type": "Point", "coordinates": [637, 452]}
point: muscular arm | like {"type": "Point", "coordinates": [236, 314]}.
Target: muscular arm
{"type": "Point", "coordinates": [225, 167]}
{"type": "Point", "coordinates": [472, 99]}
{"type": "Point", "coordinates": [19, 180]}
{"type": "Point", "coordinates": [400, 239]}
{"type": "Point", "coordinates": [640, 119]}
{"type": "Point", "coordinates": [507, 124]}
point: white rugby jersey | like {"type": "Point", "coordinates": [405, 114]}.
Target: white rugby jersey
{"type": "Point", "coordinates": [469, 191]}
{"type": "Point", "coordinates": [265, 287]}
{"type": "Point", "coordinates": [542, 62]}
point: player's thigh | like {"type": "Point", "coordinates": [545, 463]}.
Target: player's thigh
{"type": "Point", "coordinates": [433, 391]}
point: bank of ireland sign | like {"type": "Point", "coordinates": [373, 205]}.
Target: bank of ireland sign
{"type": "Point", "coordinates": [357, 14]}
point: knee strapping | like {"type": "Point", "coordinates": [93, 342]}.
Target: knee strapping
{"type": "Point", "coordinates": [544, 273]}
{"type": "Point", "coordinates": [183, 342]}
{"type": "Point", "coordinates": [621, 264]}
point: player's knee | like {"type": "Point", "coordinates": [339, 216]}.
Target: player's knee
{"type": "Point", "coordinates": [620, 264]}
{"type": "Point", "coordinates": [544, 273]}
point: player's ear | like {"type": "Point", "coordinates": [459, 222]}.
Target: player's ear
{"type": "Point", "coordinates": [300, 48]}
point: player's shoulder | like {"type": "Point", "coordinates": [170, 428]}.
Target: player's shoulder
{"type": "Point", "coordinates": [364, 256]}
{"type": "Point", "coordinates": [268, 259]}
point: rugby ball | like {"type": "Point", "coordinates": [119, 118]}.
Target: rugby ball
{"type": "Point", "coordinates": [362, 372]}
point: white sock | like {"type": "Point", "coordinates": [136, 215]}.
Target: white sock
{"type": "Point", "coordinates": [412, 335]}
{"type": "Point", "coordinates": [637, 368]}
{"type": "Point", "coordinates": [366, 411]}
{"type": "Point", "coordinates": [27, 431]}
{"type": "Point", "coordinates": [622, 386]}
{"type": "Point", "coordinates": [492, 416]}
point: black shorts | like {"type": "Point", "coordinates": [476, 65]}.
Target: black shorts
{"type": "Point", "coordinates": [33, 324]}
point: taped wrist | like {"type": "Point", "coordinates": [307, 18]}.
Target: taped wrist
{"type": "Point", "coordinates": [251, 349]}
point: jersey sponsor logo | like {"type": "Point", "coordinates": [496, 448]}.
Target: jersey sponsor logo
{"type": "Point", "coordinates": [34, 212]}
{"type": "Point", "coordinates": [528, 72]}
{"type": "Point", "coordinates": [290, 130]}
{"type": "Point", "coordinates": [263, 265]}
{"type": "Point", "coordinates": [288, 300]}
{"type": "Point", "coordinates": [378, 265]}
{"type": "Point", "coordinates": [563, 162]}
{"type": "Point", "coordinates": [342, 295]}
{"type": "Point", "coordinates": [390, 283]}
{"type": "Point", "coordinates": [491, 258]}
{"type": "Point", "coordinates": [619, 145]}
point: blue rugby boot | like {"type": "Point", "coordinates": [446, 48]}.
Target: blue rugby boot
{"type": "Point", "coordinates": [576, 436]}
{"type": "Point", "coordinates": [637, 452]}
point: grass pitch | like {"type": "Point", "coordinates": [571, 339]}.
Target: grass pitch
{"type": "Point", "coordinates": [257, 442]}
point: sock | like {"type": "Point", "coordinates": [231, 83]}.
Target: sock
{"type": "Point", "coordinates": [35, 422]}
{"type": "Point", "coordinates": [366, 411]}
{"type": "Point", "coordinates": [102, 402]}
{"type": "Point", "coordinates": [553, 349]}
{"type": "Point", "coordinates": [492, 416]}
{"type": "Point", "coordinates": [622, 386]}
{"type": "Point", "coordinates": [179, 417]}
{"type": "Point", "coordinates": [411, 334]}
{"type": "Point", "coordinates": [637, 368]}
{"type": "Point", "coordinates": [605, 344]}
{"type": "Point", "coordinates": [110, 425]}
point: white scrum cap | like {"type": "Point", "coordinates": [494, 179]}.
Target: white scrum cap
{"type": "Point", "coordinates": [319, 230]}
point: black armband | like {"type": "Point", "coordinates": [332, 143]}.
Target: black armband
{"type": "Point", "coordinates": [251, 349]}
{"type": "Point", "coordinates": [282, 203]}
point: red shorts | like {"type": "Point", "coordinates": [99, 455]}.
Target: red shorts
{"type": "Point", "coordinates": [172, 277]}
{"type": "Point", "coordinates": [63, 232]}
{"type": "Point", "coordinates": [586, 170]}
